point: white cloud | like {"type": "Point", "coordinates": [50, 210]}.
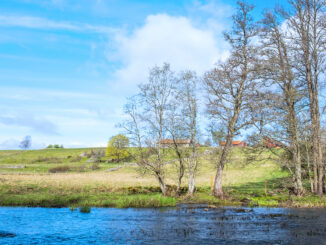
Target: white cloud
{"type": "Point", "coordinates": [43, 23]}
{"type": "Point", "coordinates": [165, 38]}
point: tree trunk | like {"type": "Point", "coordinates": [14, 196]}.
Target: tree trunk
{"type": "Point", "coordinates": [295, 145]}
{"type": "Point", "coordinates": [218, 191]}
{"type": "Point", "coordinates": [192, 177]}
{"type": "Point", "coordinates": [317, 149]}
{"type": "Point", "coordinates": [315, 125]}
{"type": "Point", "coordinates": [320, 155]}
{"type": "Point", "coordinates": [181, 174]}
{"type": "Point", "coordinates": [162, 185]}
{"type": "Point", "coordinates": [321, 180]}
{"type": "Point", "coordinates": [315, 178]}
{"type": "Point", "coordinates": [191, 189]}
{"type": "Point", "coordinates": [298, 180]}
{"type": "Point", "coordinates": [312, 189]}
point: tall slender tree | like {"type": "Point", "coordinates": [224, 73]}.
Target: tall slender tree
{"type": "Point", "coordinates": [188, 97]}
{"type": "Point", "coordinates": [284, 93]}
{"type": "Point", "coordinates": [182, 125]}
{"type": "Point", "coordinates": [231, 85]}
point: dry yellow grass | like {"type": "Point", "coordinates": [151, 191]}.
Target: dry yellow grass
{"type": "Point", "coordinates": [129, 176]}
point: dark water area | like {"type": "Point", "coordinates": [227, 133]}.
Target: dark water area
{"type": "Point", "coordinates": [182, 225]}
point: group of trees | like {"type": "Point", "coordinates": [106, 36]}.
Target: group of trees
{"type": "Point", "coordinates": [55, 146]}
{"type": "Point", "coordinates": [165, 108]}
{"type": "Point", "coordinates": [270, 84]}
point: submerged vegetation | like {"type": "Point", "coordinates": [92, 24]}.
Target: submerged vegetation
{"type": "Point", "coordinates": [85, 209]}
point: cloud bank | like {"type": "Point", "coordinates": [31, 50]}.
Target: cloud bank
{"type": "Point", "coordinates": [165, 38]}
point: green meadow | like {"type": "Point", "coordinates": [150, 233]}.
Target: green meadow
{"type": "Point", "coordinates": [66, 177]}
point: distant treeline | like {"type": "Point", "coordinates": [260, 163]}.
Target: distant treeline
{"type": "Point", "coordinates": [54, 146]}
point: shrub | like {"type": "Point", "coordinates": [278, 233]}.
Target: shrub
{"type": "Point", "coordinates": [76, 159]}
{"type": "Point", "coordinates": [55, 160]}
{"type": "Point", "coordinates": [72, 208]}
{"type": "Point", "coordinates": [97, 153]}
{"type": "Point", "coordinates": [85, 209]}
{"type": "Point", "coordinates": [47, 159]}
{"type": "Point", "coordinates": [95, 156]}
{"type": "Point", "coordinates": [60, 169]}
{"type": "Point", "coordinates": [95, 166]}
{"type": "Point", "coordinates": [81, 168]}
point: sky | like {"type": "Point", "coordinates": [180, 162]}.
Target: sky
{"type": "Point", "coordinates": [67, 66]}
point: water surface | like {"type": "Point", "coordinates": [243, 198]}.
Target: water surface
{"type": "Point", "coordinates": [163, 226]}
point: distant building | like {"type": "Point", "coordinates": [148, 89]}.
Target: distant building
{"type": "Point", "coordinates": [166, 143]}
{"type": "Point", "coordinates": [235, 143]}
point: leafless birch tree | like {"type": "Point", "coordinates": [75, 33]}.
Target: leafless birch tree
{"type": "Point", "coordinates": [176, 130]}
{"type": "Point", "coordinates": [188, 98]}
{"type": "Point", "coordinates": [182, 125]}
{"type": "Point", "coordinates": [147, 116]}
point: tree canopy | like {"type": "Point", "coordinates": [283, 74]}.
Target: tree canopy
{"type": "Point", "coordinates": [117, 148]}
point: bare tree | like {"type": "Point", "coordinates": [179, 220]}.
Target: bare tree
{"type": "Point", "coordinates": [283, 95]}
{"type": "Point", "coordinates": [26, 143]}
{"type": "Point", "coordinates": [306, 146]}
{"type": "Point", "coordinates": [177, 133]}
{"type": "Point", "coordinates": [231, 86]}
{"type": "Point", "coordinates": [146, 124]}
{"type": "Point", "coordinates": [188, 97]}
{"type": "Point", "coordinates": [181, 127]}
{"type": "Point", "coordinates": [306, 25]}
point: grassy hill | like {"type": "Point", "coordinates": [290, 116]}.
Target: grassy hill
{"type": "Point", "coordinates": [65, 177]}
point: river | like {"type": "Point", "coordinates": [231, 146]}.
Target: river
{"type": "Point", "coordinates": [185, 224]}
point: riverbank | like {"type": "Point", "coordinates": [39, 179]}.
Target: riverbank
{"type": "Point", "coordinates": [149, 196]}
{"type": "Point", "coordinates": [79, 183]}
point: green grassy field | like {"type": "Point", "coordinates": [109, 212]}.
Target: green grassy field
{"type": "Point", "coordinates": [27, 179]}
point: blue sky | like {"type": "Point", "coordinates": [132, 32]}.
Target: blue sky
{"type": "Point", "coordinates": [67, 66]}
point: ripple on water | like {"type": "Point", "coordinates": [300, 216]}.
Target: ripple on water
{"type": "Point", "coordinates": [190, 225]}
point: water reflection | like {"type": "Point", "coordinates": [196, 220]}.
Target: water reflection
{"type": "Point", "coordinates": [163, 226]}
